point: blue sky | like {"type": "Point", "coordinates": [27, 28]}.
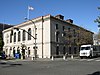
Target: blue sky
{"type": "Point", "coordinates": [83, 12]}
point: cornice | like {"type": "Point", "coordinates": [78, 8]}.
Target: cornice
{"type": "Point", "coordinates": [35, 20]}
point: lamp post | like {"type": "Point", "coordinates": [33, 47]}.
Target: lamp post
{"type": "Point", "coordinates": [35, 37]}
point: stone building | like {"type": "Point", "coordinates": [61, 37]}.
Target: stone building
{"type": "Point", "coordinates": [44, 37]}
{"type": "Point", "coordinates": [2, 27]}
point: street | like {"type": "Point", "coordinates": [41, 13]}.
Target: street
{"type": "Point", "coordinates": [56, 67]}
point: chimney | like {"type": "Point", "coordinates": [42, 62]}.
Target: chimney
{"type": "Point", "coordinates": [60, 17]}
{"type": "Point", "coordinates": [69, 20]}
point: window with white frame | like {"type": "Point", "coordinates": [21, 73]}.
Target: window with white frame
{"type": "Point", "coordinates": [29, 35]}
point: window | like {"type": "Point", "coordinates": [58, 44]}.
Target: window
{"type": "Point", "coordinates": [74, 31]}
{"type": "Point", "coordinates": [14, 51]}
{"type": "Point", "coordinates": [15, 37]}
{"type": "Point", "coordinates": [69, 29]}
{"type": "Point", "coordinates": [29, 35]}
{"type": "Point", "coordinates": [64, 52]}
{"type": "Point", "coordinates": [70, 50]}
{"type": "Point", "coordinates": [75, 50]}
{"type": "Point", "coordinates": [23, 35]}
{"type": "Point", "coordinates": [57, 38]}
{"type": "Point", "coordinates": [63, 34]}
{"type": "Point", "coordinates": [29, 51]}
{"type": "Point", "coordinates": [74, 41]}
{"type": "Point", "coordinates": [10, 38]}
{"type": "Point", "coordinates": [63, 28]}
{"type": "Point", "coordinates": [57, 50]}
{"type": "Point", "coordinates": [56, 27]}
{"type": "Point", "coordinates": [19, 36]}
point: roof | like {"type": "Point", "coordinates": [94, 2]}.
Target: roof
{"type": "Point", "coordinates": [4, 26]}
{"type": "Point", "coordinates": [46, 16]}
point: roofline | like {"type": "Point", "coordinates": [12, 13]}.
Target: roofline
{"type": "Point", "coordinates": [28, 22]}
{"type": "Point", "coordinates": [39, 18]}
{"type": "Point", "coordinates": [72, 24]}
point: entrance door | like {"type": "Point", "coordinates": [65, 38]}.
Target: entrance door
{"type": "Point", "coordinates": [23, 53]}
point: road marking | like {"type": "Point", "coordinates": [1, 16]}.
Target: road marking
{"type": "Point", "coordinates": [82, 59]}
{"type": "Point", "coordinates": [90, 59]}
{"type": "Point", "coordinates": [97, 60]}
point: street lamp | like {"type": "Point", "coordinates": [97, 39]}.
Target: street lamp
{"type": "Point", "coordinates": [35, 37]}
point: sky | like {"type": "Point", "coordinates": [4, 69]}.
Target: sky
{"type": "Point", "coordinates": [82, 12]}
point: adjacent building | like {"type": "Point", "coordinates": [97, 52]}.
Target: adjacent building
{"type": "Point", "coordinates": [2, 27]}
{"type": "Point", "coordinates": [44, 37]}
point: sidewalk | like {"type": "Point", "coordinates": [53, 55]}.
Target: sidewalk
{"type": "Point", "coordinates": [43, 59]}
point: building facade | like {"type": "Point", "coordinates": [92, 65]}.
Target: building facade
{"type": "Point", "coordinates": [44, 37]}
{"type": "Point", "coordinates": [2, 27]}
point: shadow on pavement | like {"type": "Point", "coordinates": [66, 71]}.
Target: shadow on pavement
{"type": "Point", "coordinates": [95, 73]}
{"type": "Point", "coordinates": [5, 64]}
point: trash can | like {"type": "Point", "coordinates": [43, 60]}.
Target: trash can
{"type": "Point", "coordinates": [17, 56]}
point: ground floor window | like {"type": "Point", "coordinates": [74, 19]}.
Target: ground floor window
{"type": "Point", "coordinates": [57, 50]}
{"type": "Point", "coordinates": [29, 51]}
{"type": "Point", "coordinates": [14, 53]}
{"type": "Point", "coordinates": [64, 52]}
{"type": "Point", "coordinates": [70, 50]}
{"type": "Point", "coordinates": [75, 50]}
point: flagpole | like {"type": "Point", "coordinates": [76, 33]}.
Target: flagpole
{"type": "Point", "coordinates": [28, 13]}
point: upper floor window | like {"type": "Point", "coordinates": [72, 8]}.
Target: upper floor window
{"type": "Point", "coordinates": [24, 36]}
{"type": "Point", "coordinates": [19, 36]}
{"type": "Point", "coordinates": [56, 27]}
{"type": "Point", "coordinates": [29, 35]}
{"type": "Point", "coordinates": [15, 37]}
{"type": "Point", "coordinates": [57, 37]}
{"type": "Point", "coordinates": [69, 29]}
{"type": "Point", "coordinates": [10, 38]}
{"type": "Point", "coordinates": [63, 28]}
{"type": "Point", "coordinates": [74, 31]}
{"type": "Point", "coordinates": [63, 34]}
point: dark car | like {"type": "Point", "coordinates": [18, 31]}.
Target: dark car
{"type": "Point", "coordinates": [2, 55]}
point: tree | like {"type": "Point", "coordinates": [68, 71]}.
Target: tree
{"type": "Point", "coordinates": [75, 37]}
{"type": "Point", "coordinates": [79, 37]}
{"type": "Point", "coordinates": [98, 19]}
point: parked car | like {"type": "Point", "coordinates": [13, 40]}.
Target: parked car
{"type": "Point", "coordinates": [2, 55]}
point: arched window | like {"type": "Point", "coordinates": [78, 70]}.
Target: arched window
{"type": "Point", "coordinates": [23, 35]}
{"type": "Point", "coordinates": [19, 36]}
{"type": "Point", "coordinates": [29, 35]}
{"type": "Point", "coordinates": [10, 38]}
{"type": "Point", "coordinates": [15, 37]}
{"type": "Point", "coordinates": [14, 51]}
{"type": "Point", "coordinates": [18, 50]}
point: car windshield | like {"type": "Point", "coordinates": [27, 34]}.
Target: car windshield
{"type": "Point", "coordinates": [85, 48]}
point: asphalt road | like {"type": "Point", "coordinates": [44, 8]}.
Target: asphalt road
{"type": "Point", "coordinates": [59, 67]}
